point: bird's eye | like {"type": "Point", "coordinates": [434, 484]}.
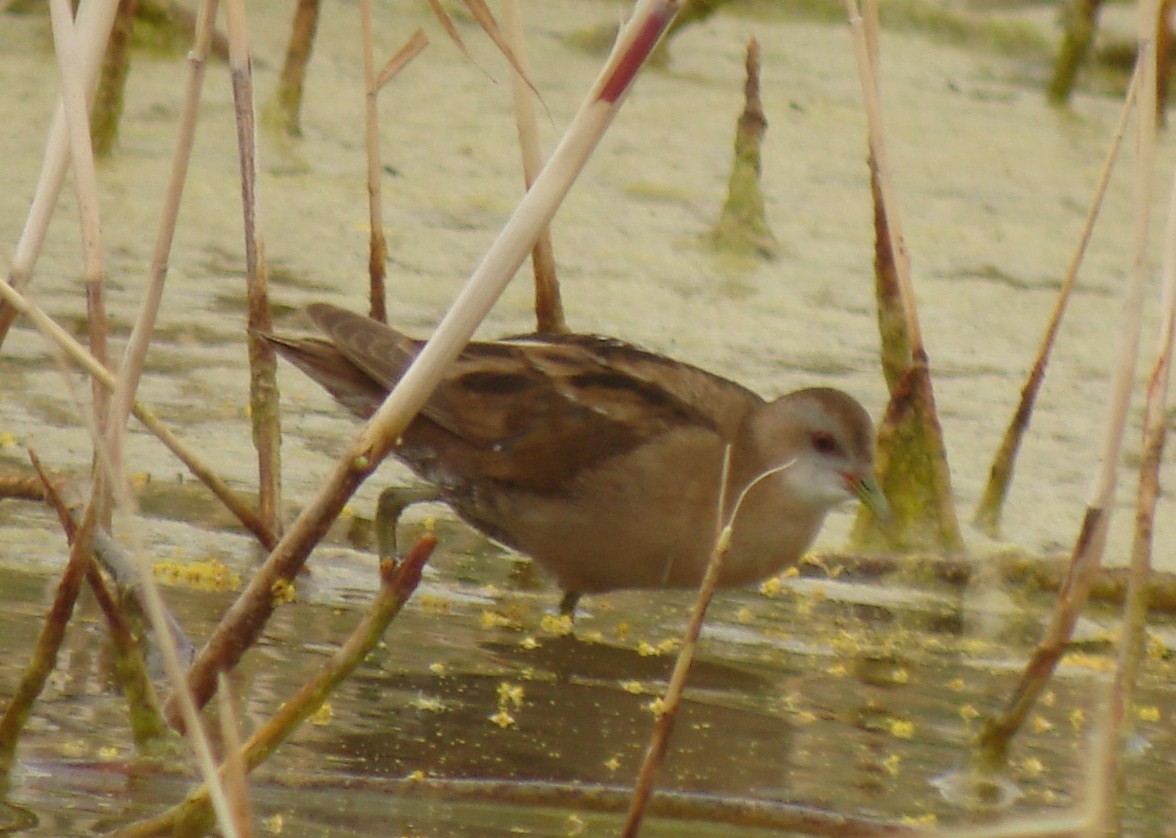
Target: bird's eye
{"type": "Point", "coordinates": [823, 442]}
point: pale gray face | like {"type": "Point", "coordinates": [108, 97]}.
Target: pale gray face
{"type": "Point", "coordinates": [830, 439]}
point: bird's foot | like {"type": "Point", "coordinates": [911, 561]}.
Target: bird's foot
{"type": "Point", "coordinates": [567, 605]}
{"type": "Point", "coordinates": [391, 505]}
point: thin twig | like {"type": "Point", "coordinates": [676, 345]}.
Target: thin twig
{"type": "Point", "coordinates": [263, 361]}
{"type": "Point", "coordinates": [377, 243]}
{"type": "Point", "coordinates": [234, 768]}
{"type": "Point", "coordinates": [73, 94]}
{"type": "Point", "coordinates": [988, 510]}
{"type": "Point", "coordinates": [135, 354]}
{"type": "Point", "coordinates": [549, 315]}
{"type": "Point", "coordinates": [866, 62]}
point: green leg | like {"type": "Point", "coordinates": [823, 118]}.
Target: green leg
{"type": "Point", "coordinates": [392, 503]}
{"type": "Point", "coordinates": [567, 605]}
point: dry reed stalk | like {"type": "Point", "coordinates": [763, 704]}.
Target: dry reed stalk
{"type": "Point", "coordinates": [56, 336]}
{"type": "Point", "coordinates": [398, 581]}
{"type": "Point", "coordinates": [377, 243]}
{"type": "Point", "coordinates": [93, 23]}
{"type": "Point", "coordinates": [234, 769]}
{"type": "Point", "coordinates": [263, 361]}
{"type": "Point", "coordinates": [992, 745]}
{"type": "Point", "coordinates": [244, 621]}
{"type": "Point", "coordinates": [21, 487]}
{"type": "Point", "coordinates": [549, 314]}
{"type": "Point", "coordinates": [135, 353]}
{"type": "Point", "coordinates": [988, 510]}
{"type": "Point", "coordinates": [912, 459]}
{"type": "Point", "coordinates": [1132, 634]}
{"type": "Point", "coordinates": [73, 96]}
{"type": "Point", "coordinates": [411, 49]}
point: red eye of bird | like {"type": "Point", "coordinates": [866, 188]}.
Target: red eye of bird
{"type": "Point", "coordinates": [824, 442]}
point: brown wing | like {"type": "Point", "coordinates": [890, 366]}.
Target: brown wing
{"type": "Point", "coordinates": [535, 410]}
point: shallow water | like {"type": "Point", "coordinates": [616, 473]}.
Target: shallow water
{"type": "Point", "coordinates": [848, 697]}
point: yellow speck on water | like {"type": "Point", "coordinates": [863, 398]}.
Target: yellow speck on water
{"type": "Point", "coordinates": [274, 824]}
{"type": "Point", "coordinates": [633, 687]}
{"type": "Point", "coordinates": [656, 707]}
{"type": "Point", "coordinates": [529, 643]}
{"type": "Point", "coordinates": [417, 775]}
{"type": "Point", "coordinates": [968, 712]}
{"type": "Point", "coordinates": [560, 625]}
{"type": "Point", "coordinates": [671, 644]}
{"type": "Point", "coordinates": [1147, 714]}
{"type": "Point", "coordinates": [892, 764]}
{"type": "Point", "coordinates": [902, 729]}
{"type": "Point", "coordinates": [437, 668]}
{"type": "Point", "coordinates": [1095, 663]}
{"type": "Point", "coordinates": [427, 703]}
{"type": "Point", "coordinates": [1048, 698]}
{"type": "Point", "coordinates": [493, 620]}
{"type": "Point", "coordinates": [612, 763]}
{"type": "Point", "coordinates": [1077, 718]}
{"type": "Point", "coordinates": [509, 693]}
{"type": "Point", "coordinates": [208, 575]}
{"type": "Point", "coordinates": [7, 440]}
{"type": "Point", "coordinates": [503, 719]}
{"type": "Point", "coordinates": [108, 753]}
{"type": "Point", "coordinates": [771, 587]}
{"type": "Point", "coordinates": [323, 716]}
{"type": "Point", "coordinates": [928, 819]}
{"type": "Point", "coordinates": [837, 670]}
{"type": "Point", "coordinates": [139, 479]}
{"type": "Point", "coordinates": [646, 649]}
{"type": "Point", "coordinates": [1031, 767]}
{"type": "Point", "coordinates": [575, 826]}
{"type": "Point", "coordinates": [901, 675]}
{"type": "Point", "coordinates": [283, 592]}
{"type": "Point", "coordinates": [1040, 724]}
{"type": "Point", "coordinates": [435, 604]}
{"type": "Point", "coordinates": [956, 685]}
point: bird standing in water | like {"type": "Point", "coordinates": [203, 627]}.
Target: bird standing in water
{"type": "Point", "coordinates": [603, 461]}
